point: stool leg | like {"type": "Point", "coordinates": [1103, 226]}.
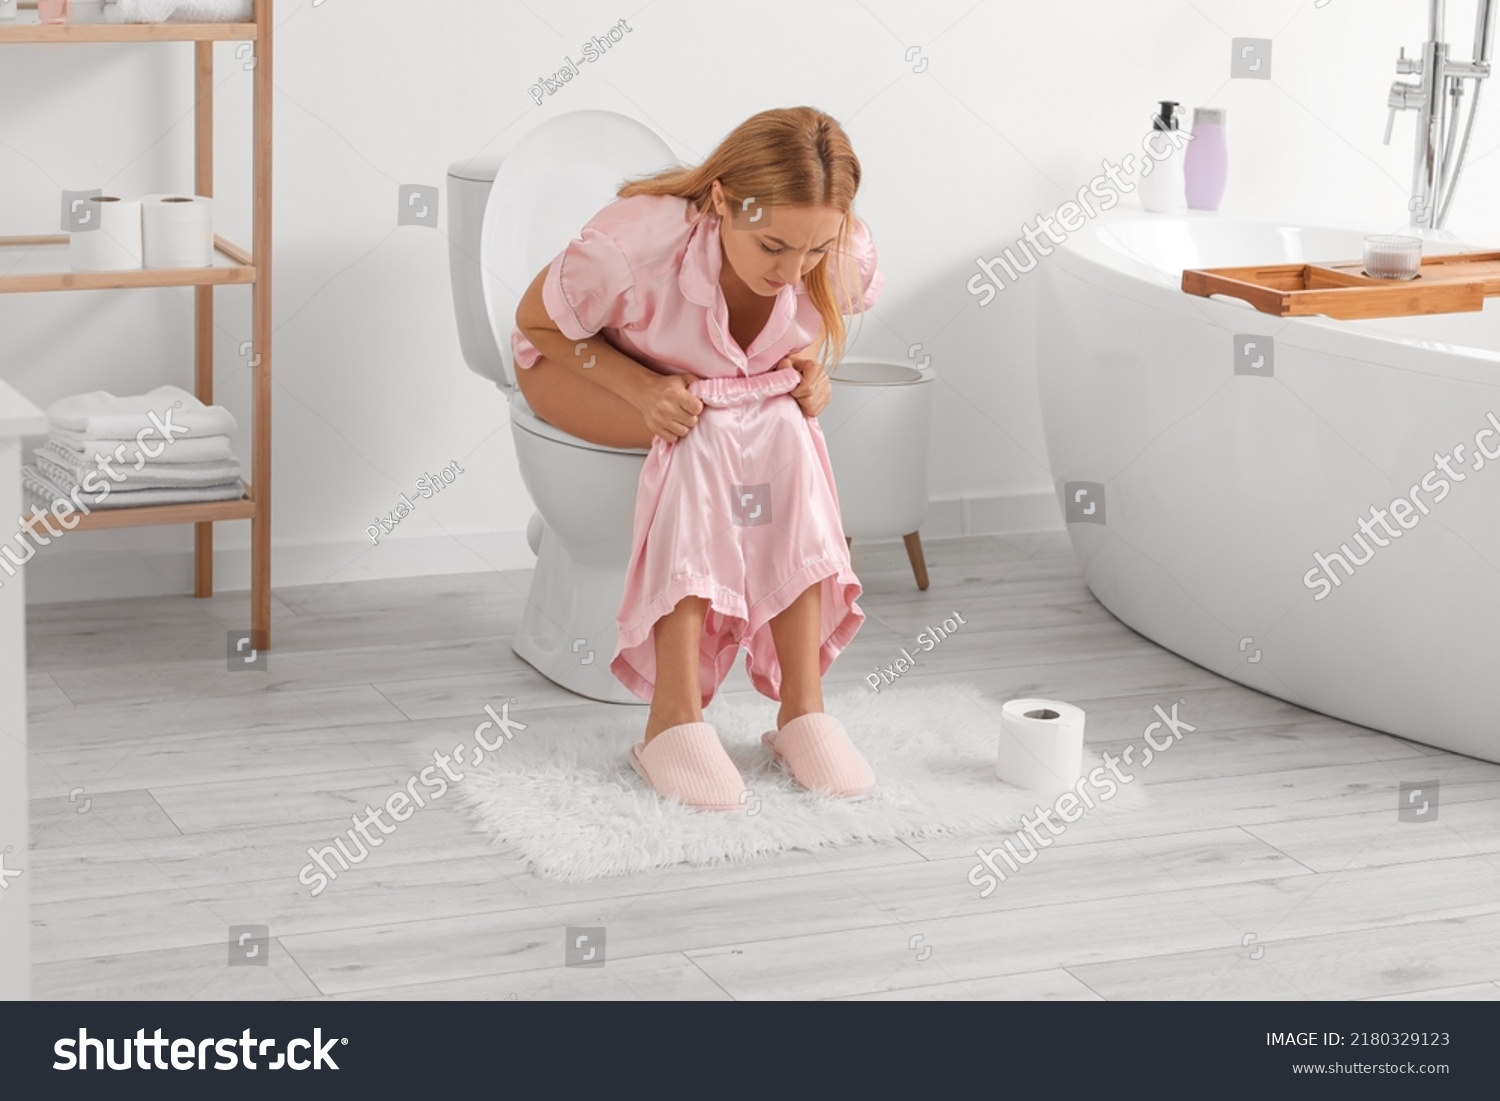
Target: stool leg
{"type": "Point", "coordinates": [918, 562]}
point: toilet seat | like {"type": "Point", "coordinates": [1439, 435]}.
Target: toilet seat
{"type": "Point", "coordinates": [524, 418]}
{"type": "Point", "coordinates": [545, 190]}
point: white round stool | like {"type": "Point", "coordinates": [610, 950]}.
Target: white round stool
{"type": "Point", "coordinates": [877, 427]}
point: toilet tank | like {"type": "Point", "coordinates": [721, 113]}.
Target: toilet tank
{"type": "Point", "coordinates": [469, 184]}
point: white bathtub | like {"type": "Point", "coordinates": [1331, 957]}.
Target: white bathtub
{"type": "Point", "coordinates": [1218, 489]}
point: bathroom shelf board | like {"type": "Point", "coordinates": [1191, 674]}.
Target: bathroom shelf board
{"type": "Point", "coordinates": [1456, 283]}
{"type": "Point", "coordinates": [29, 28]}
{"type": "Point", "coordinates": [30, 264]}
{"type": "Point", "coordinates": [204, 512]}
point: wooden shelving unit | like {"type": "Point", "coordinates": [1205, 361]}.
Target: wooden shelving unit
{"type": "Point", "coordinates": [40, 263]}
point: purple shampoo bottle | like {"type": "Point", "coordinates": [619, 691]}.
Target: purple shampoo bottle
{"type": "Point", "coordinates": [1206, 168]}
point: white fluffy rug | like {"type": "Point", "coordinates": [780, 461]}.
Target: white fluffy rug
{"type": "Point", "coordinates": [567, 800]}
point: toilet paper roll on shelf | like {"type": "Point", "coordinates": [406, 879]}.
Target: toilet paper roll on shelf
{"type": "Point", "coordinates": [178, 231]}
{"type": "Point", "coordinates": [114, 242]}
{"type": "Point", "coordinates": [1041, 744]}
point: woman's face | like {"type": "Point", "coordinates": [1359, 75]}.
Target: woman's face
{"type": "Point", "coordinates": [768, 247]}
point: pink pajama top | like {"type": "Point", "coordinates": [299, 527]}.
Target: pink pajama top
{"type": "Point", "coordinates": [741, 511]}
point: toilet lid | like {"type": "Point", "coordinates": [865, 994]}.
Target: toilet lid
{"type": "Point", "coordinates": [528, 421]}
{"type": "Point", "coordinates": [555, 179]}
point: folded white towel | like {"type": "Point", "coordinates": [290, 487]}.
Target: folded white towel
{"type": "Point", "coordinates": [43, 491]}
{"type": "Point", "coordinates": [100, 415]}
{"type": "Point", "coordinates": [60, 477]}
{"type": "Point", "coordinates": [190, 11]}
{"type": "Point", "coordinates": [184, 449]}
{"type": "Point", "coordinates": [70, 467]}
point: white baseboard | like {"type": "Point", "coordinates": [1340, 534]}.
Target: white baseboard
{"type": "Point", "coordinates": [121, 572]}
{"type": "Point", "coordinates": [102, 575]}
{"type": "Point", "coordinates": [993, 514]}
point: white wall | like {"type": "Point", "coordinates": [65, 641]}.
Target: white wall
{"type": "Point", "coordinates": [1017, 104]}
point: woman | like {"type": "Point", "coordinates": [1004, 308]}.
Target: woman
{"type": "Point", "coordinates": [681, 319]}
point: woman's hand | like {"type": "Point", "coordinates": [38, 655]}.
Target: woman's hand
{"type": "Point", "coordinates": [814, 392]}
{"type": "Point", "coordinates": [669, 407]}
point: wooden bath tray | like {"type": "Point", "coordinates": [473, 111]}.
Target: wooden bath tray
{"type": "Point", "coordinates": [1446, 284]}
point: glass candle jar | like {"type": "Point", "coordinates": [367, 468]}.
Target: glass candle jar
{"type": "Point", "coordinates": [1390, 256]}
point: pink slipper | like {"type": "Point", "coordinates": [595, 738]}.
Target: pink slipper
{"type": "Point", "coordinates": [816, 750]}
{"type": "Point", "coordinates": [689, 762]}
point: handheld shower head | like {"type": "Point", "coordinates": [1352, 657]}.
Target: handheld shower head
{"type": "Point", "coordinates": [1484, 28]}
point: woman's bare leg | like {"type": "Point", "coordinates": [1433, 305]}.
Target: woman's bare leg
{"type": "Point", "coordinates": [563, 395]}
{"type": "Point", "coordinates": [796, 633]}
{"type": "Point", "coordinates": [678, 696]}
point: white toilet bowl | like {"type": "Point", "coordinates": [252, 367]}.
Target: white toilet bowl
{"type": "Point", "coordinates": [508, 217]}
{"type": "Point", "coordinates": [581, 533]}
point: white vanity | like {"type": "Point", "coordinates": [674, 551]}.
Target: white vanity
{"type": "Point", "coordinates": [18, 418]}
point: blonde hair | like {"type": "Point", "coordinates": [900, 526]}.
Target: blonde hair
{"type": "Point", "coordinates": [787, 156]}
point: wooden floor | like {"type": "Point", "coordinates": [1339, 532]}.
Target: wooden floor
{"type": "Point", "coordinates": [1271, 863]}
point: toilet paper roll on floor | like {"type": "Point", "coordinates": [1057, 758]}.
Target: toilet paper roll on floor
{"type": "Point", "coordinates": [115, 244]}
{"type": "Point", "coordinates": [178, 231]}
{"type": "Point", "coordinates": [1041, 744]}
